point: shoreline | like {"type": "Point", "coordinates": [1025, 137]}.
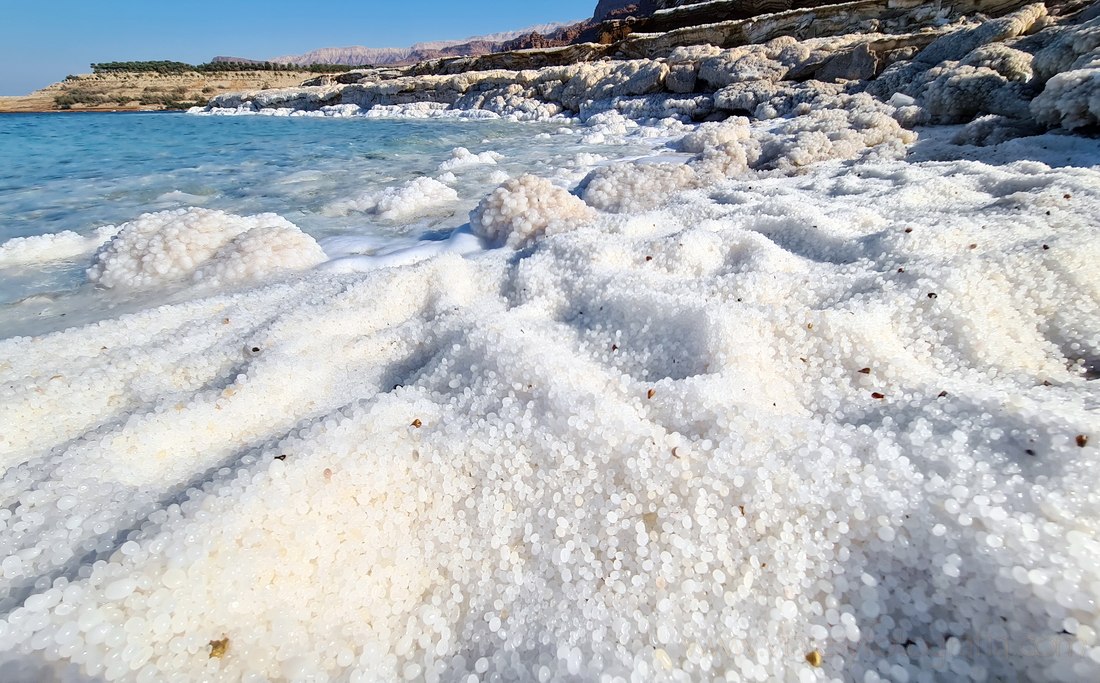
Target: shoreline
{"type": "Point", "coordinates": [95, 111]}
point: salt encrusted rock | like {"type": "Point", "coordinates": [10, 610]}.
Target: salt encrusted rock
{"type": "Point", "coordinates": [955, 46]}
{"type": "Point", "coordinates": [1014, 65]}
{"type": "Point", "coordinates": [857, 64]}
{"type": "Point", "coordinates": [993, 130]}
{"type": "Point", "coordinates": [524, 209]}
{"type": "Point", "coordinates": [959, 71]}
{"type": "Point", "coordinates": [662, 106]}
{"type": "Point", "coordinates": [748, 95]}
{"type": "Point", "coordinates": [606, 80]}
{"type": "Point", "coordinates": [958, 92]}
{"type": "Point", "coordinates": [692, 54]}
{"type": "Point", "coordinates": [1070, 44]}
{"type": "Point", "coordinates": [1070, 99]}
{"type": "Point", "coordinates": [682, 78]}
{"type": "Point", "coordinates": [204, 245]}
{"type": "Point", "coordinates": [1070, 68]}
{"type": "Point", "coordinates": [749, 63]}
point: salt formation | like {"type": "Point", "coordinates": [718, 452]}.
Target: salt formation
{"type": "Point", "coordinates": [417, 197]}
{"type": "Point", "coordinates": [829, 128]}
{"type": "Point", "coordinates": [630, 188]}
{"type": "Point", "coordinates": [837, 425]}
{"type": "Point", "coordinates": [526, 208]}
{"type": "Point", "coordinates": [1071, 65]}
{"type": "Point", "coordinates": [462, 158]}
{"type": "Point", "coordinates": [836, 128]}
{"type": "Point", "coordinates": [716, 133]}
{"type": "Point", "coordinates": [1028, 64]}
{"type": "Point", "coordinates": [201, 244]}
{"type": "Point", "coordinates": [52, 246]}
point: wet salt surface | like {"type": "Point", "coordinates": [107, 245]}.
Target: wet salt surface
{"type": "Point", "coordinates": [835, 423]}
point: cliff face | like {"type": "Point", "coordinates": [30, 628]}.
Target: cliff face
{"type": "Point", "coordinates": [616, 9]}
{"type": "Point", "coordinates": [673, 14]}
{"type": "Point", "coordinates": [535, 36]}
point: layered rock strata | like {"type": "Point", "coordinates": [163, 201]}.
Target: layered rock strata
{"type": "Point", "coordinates": [1029, 64]}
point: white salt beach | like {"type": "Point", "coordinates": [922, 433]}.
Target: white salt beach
{"type": "Point", "coordinates": [803, 397]}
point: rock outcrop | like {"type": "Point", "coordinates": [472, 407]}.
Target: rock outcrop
{"type": "Point", "coordinates": [613, 9]}
{"type": "Point", "coordinates": [1029, 64]}
{"type": "Point", "coordinates": [544, 35]}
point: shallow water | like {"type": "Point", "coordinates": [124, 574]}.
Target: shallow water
{"type": "Point", "coordinates": [79, 172]}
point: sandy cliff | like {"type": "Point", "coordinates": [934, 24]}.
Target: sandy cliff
{"type": "Point", "coordinates": [145, 91]}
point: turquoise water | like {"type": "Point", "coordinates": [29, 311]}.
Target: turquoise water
{"type": "Point", "coordinates": [77, 172]}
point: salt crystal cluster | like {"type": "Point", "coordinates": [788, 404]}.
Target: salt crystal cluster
{"type": "Point", "coordinates": [52, 246]}
{"type": "Point", "coordinates": [417, 197]}
{"type": "Point", "coordinates": [526, 208]}
{"type": "Point", "coordinates": [462, 158]}
{"type": "Point", "coordinates": [201, 245]}
{"type": "Point", "coordinates": [832, 128]}
{"type": "Point", "coordinates": [633, 187]}
{"type": "Point", "coordinates": [715, 133]}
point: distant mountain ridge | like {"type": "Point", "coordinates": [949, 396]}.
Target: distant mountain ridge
{"type": "Point", "coordinates": [380, 56]}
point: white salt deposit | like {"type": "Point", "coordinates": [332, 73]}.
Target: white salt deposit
{"type": "Point", "coordinates": [833, 417]}
{"type": "Point", "coordinates": [526, 208]}
{"type": "Point", "coordinates": [462, 158]}
{"type": "Point", "coordinates": [418, 197]}
{"type": "Point", "coordinates": [52, 246]}
{"type": "Point", "coordinates": [201, 244]}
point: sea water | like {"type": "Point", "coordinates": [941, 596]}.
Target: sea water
{"type": "Point", "coordinates": [78, 173]}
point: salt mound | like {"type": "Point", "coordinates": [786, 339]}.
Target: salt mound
{"type": "Point", "coordinates": [462, 158]}
{"type": "Point", "coordinates": [418, 197]}
{"type": "Point", "coordinates": [630, 188]}
{"type": "Point", "coordinates": [715, 133]}
{"type": "Point", "coordinates": [525, 208]}
{"type": "Point", "coordinates": [52, 246]}
{"type": "Point", "coordinates": [201, 244]}
{"type": "Point", "coordinates": [845, 127]}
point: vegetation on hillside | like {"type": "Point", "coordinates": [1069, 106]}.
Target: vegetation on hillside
{"type": "Point", "coordinates": [169, 67]}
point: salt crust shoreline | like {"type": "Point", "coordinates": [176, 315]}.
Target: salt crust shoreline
{"type": "Point", "coordinates": [686, 421]}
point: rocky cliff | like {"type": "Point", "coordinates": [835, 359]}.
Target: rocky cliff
{"type": "Point", "coordinates": [611, 9]}
{"type": "Point", "coordinates": [533, 36]}
{"type": "Point", "coordinates": [961, 61]}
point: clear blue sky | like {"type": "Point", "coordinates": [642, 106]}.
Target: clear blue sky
{"type": "Point", "coordinates": [42, 41]}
